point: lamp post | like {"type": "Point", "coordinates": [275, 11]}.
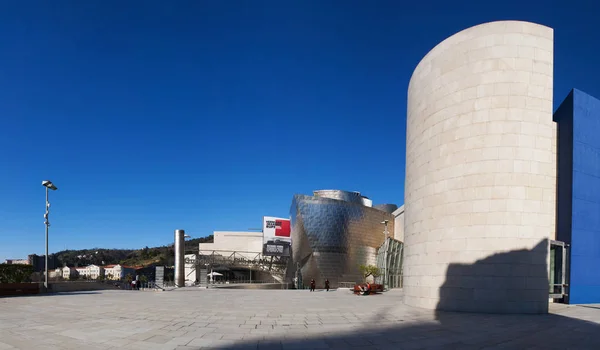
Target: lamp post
{"type": "Point", "coordinates": [49, 186]}
{"type": "Point", "coordinates": [386, 233]}
{"type": "Point", "coordinates": [185, 236]}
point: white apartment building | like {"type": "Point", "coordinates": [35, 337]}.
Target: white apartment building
{"type": "Point", "coordinates": [112, 272]}
{"type": "Point", "coordinates": [94, 271]}
{"type": "Point", "coordinates": [64, 272]}
{"type": "Point", "coordinates": [90, 271]}
{"type": "Point", "coordinates": [82, 271]}
{"type": "Point", "coordinates": [68, 272]}
{"type": "Point", "coordinates": [117, 272]}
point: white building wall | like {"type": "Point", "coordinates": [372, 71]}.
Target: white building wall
{"type": "Point", "coordinates": [95, 271]}
{"type": "Point", "coordinates": [480, 171]}
{"type": "Point", "coordinates": [68, 272]}
{"type": "Point", "coordinates": [399, 224]}
{"type": "Point", "coordinates": [247, 244]}
{"type": "Point", "coordinates": [118, 272]}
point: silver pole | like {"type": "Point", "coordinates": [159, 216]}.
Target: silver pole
{"type": "Point", "coordinates": [179, 258]}
{"type": "Point", "coordinates": [47, 223]}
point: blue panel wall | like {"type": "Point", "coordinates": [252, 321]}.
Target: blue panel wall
{"type": "Point", "coordinates": [580, 115]}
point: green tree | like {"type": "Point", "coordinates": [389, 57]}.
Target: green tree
{"type": "Point", "coordinates": [369, 270]}
{"type": "Point", "coordinates": [128, 278]}
{"type": "Point", "coordinates": [15, 273]}
{"type": "Point", "coordinates": [145, 253]}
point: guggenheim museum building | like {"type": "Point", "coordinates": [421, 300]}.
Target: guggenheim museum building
{"type": "Point", "coordinates": [334, 232]}
{"type": "Point", "coordinates": [502, 194]}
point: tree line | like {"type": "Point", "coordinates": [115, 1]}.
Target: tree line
{"type": "Point", "coordinates": [163, 255]}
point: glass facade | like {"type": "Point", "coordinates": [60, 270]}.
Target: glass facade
{"type": "Point", "coordinates": [389, 262]}
{"type": "Point", "coordinates": [333, 237]}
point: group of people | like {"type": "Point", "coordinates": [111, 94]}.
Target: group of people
{"type": "Point", "coordinates": [313, 285]}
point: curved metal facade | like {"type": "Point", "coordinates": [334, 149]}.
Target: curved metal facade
{"type": "Point", "coordinates": [346, 196]}
{"type": "Point", "coordinates": [333, 237]}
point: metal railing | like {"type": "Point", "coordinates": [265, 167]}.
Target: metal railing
{"type": "Point", "coordinates": [245, 281]}
{"type": "Point", "coordinates": [240, 259]}
{"type": "Point", "coordinates": [349, 285]}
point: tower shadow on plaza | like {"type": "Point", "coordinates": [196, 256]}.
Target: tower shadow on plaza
{"type": "Point", "coordinates": [500, 325]}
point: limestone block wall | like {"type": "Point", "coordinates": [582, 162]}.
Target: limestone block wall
{"type": "Point", "coordinates": [481, 171]}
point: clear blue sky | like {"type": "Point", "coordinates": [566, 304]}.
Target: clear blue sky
{"type": "Point", "coordinates": [206, 115]}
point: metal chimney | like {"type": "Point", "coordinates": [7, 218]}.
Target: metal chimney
{"type": "Point", "coordinates": [179, 258]}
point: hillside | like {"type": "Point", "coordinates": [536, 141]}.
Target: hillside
{"type": "Point", "coordinates": [164, 255]}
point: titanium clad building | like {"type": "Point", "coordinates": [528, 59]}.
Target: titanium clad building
{"type": "Point", "coordinates": [333, 233]}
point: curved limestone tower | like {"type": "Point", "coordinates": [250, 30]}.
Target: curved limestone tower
{"type": "Point", "coordinates": [480, 171]}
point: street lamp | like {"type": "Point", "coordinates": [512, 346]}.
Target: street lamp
{"type": "Point", "coordinates": [185, 260]}
{"type": "Point", "coordinates": [49, 186]}
{"type": "Point", "coordinates": [385, 222]}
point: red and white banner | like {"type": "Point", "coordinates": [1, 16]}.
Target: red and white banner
{"type": "Point", "coordinates": [276, 236]}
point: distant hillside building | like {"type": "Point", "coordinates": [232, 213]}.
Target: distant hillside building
{"type": "Point", "coordinates": [16, 261]}
{"type": "Point", "coordinates": [111, 272]}
{"type": "Point", "coordinates": [118, 272]}
{"type": "Point", "coordinates": [39, 262]}
{"type": "Point", "coordinates": [64, 272]}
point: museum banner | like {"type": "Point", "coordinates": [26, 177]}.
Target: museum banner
{"type": "Point", "coordinates": [277, 240]}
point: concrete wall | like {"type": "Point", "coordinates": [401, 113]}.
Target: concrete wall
{"type": "Point", "coordinates": [228, 242]}
{"type": "Point", "coordinates": [480, 171]}
{"type": "Point", "coordinates": [79, 286]}
{"type": "Point", "coordinates": [578, 120]}
{"type": "Point", "coordinates": [399, 224]}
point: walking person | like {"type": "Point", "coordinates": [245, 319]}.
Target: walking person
{"type": "Point", "coordinates": [312, 285]}
{"type": "Point", "coordinates": [327, 285]}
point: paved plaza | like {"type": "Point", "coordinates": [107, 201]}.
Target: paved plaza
{"type": "Point", "coordinates": [193, 318]}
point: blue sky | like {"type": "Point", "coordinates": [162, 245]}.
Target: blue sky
{"type": "Point", "coordinates": [206, 115]}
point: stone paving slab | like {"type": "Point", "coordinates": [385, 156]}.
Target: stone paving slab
{"type": "Point", "coordinates": [276, 319]}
